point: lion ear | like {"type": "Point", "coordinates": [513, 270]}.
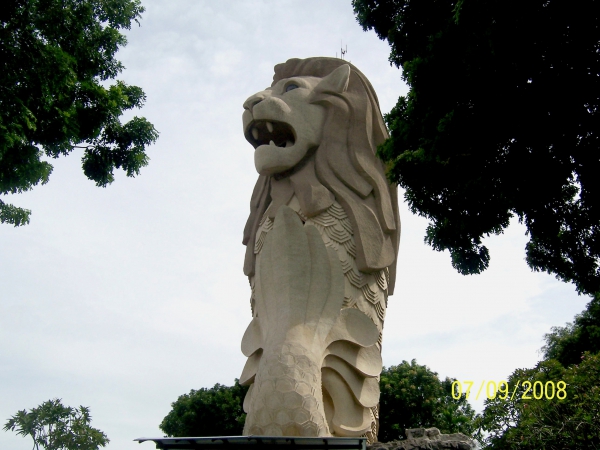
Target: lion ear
{"type": "Point", "coordinates": [336, 82]}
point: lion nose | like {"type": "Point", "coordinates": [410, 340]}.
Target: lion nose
{"type": "Point", "coordinates": [254, 100]}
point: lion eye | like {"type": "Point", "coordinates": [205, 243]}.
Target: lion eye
{"type": "Point", "coordinates": [290, 87]}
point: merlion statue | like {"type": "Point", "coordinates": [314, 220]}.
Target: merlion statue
{"type": "Point", "coordinates": [322, 240]}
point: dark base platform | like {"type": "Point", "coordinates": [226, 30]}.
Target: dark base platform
{"type": "Point", "coordinates": [258, 442]}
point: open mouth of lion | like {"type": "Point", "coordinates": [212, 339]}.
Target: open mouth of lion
{"type": "Point", "coordinates": [265, 132]}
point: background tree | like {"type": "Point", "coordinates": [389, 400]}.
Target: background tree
{"type": "Point", "coordinates": [217, 411]}
{"type": "Point", "coordinates": [55, 56]}
{"type": "Point", "coordinates": [532, 424]}
{"type": "Point", "coordinates": [500, 121]}
{"type": "Point", "coordinates": [572, 356]}
{"type": "Point", "coordinates": [53, 426]}
{"type": "Point", "coordinates": [567, 344]}
{"type": "Point", "coordinates": [412, 396]}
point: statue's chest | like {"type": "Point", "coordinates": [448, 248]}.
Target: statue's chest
{"type": "Point", "coordinates": [333, 225]}
{"type": "Point", "coordinates": [364, 291]}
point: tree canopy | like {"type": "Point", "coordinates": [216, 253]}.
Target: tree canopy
{"type": "Point", "coordinates": [55, 58]}
{"type": "Point", "coordinates": [217, 411]}
{"type": "Point", "coordinates": [412, 396]}
{"type": "Point", "coordinates": [570, 419]}
{"type": "Point", "coordinates": [567, 344]}
{"type": "Point", "coordinates": [501, 120]}
{"type": "Point", "coordinates": [53, 426]}
{"type": "Point", "coordinates": [560, 408]}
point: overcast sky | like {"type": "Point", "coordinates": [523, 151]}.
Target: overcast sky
{"type": "Point", "coordinates": [124, 298]}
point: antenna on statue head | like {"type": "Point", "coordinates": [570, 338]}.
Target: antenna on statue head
{"type": "Point", "coordinates": [342, 51]}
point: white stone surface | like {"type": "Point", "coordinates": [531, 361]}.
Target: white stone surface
{"type": "Point", "coordinates": [322, 240]}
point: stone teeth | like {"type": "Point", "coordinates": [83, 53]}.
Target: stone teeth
{"type": "Point", "coordinates": [270, 127]}
{"type": "Point", "coordinates": [288, 143]}
{"type": "Point", "coordinates": [255, 134]}
{"type": "Point", "coordinates": [272, 143]}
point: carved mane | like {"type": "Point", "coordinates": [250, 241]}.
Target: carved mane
{"type": "Point", "coordinates": [347, 167]}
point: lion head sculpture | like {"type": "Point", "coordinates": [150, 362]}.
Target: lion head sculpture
{"type": "Point", "coordinates": [317, 128]}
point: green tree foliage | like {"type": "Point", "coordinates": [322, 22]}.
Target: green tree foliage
{"type": "Point", "coordinates": [412, 396]}
{"type": "Point", "coordinates": [53, 426]}
{"type": "Point", "coordinates": [55, 56]}
{"type": "Point", "coordinates": [501, 120]}
{"type": "Point", "coordinates": [217, 411]}
{"type": "Point", "coordinates": [547, 423]}
{"type": "Point", "coordinates": [571, 418]}
{"type": "Point", "coordinates": [567, 344]}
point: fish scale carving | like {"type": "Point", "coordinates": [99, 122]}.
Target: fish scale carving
{"type": "Point", "coordinates": [366, 292]}
{"type": "Point", "coordinates": [339, 232]}
{"type": "Point", "coordinates": [282, 385]}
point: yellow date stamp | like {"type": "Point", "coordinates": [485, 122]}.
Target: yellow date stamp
{"type": "Point", "coordinates": [529, 390]}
